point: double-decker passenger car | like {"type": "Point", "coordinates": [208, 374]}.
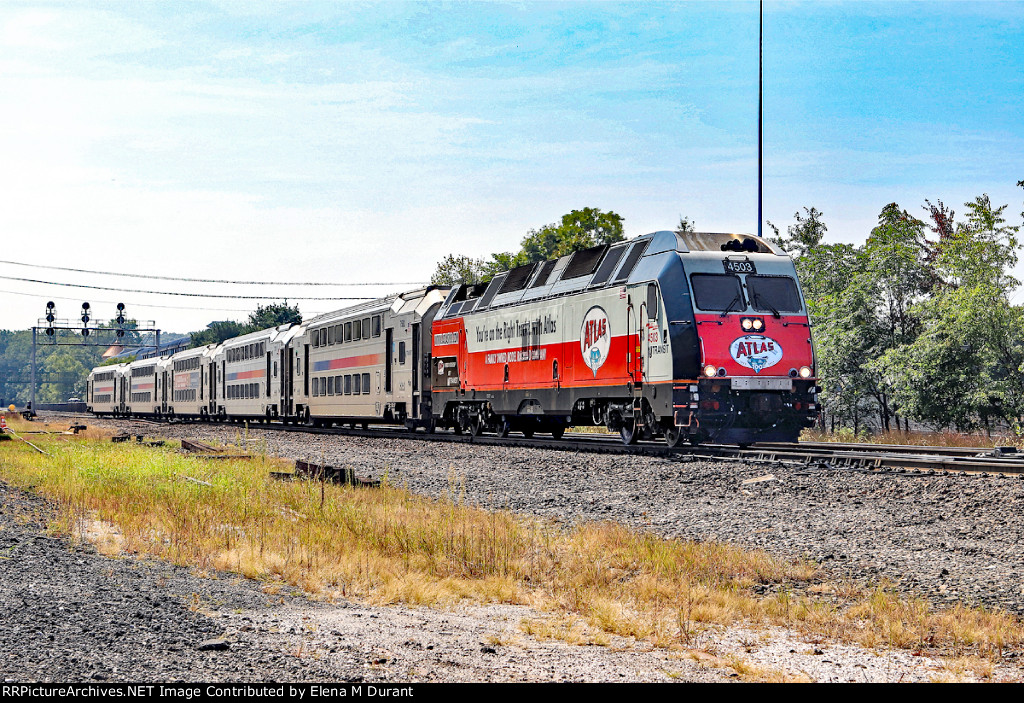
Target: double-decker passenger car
{"type": "Point", "coordinates": [367, 363]}
{"type": "Point", "coordinates": [105, 389]}
{"type": "Point", "coordinates": [188, 398]}
{"type": "Point", "coordinates": [247, 375]}
{"type": "Point", "coordinates": [693, 336]}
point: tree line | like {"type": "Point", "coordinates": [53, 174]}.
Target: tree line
{"type": "Point", "coordinates": [918, 323]}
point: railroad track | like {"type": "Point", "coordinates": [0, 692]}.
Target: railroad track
{"type": "Point", "coordinates": [909, 459]}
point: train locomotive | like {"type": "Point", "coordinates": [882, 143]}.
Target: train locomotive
{"type": "Point", "coordinates": [699, 337]}
{"type": "Point", "coordinates": [694, 336]}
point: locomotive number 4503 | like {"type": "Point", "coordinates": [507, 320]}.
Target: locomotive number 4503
{"type": "Point", "coordinates": [739, 266]}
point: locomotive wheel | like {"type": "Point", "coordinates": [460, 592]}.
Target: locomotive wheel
{"type": "Point", "coordinates": [630, 433]}
{"type": "Point", "coordinates": [527, 432]}
{"type": "Point", "coordinates": [673, 436]}
{"type": "Point", "coordinates": [476, 427]}
{"type": "Point", "coordinates": [457, 428]}
{"type": "Point", "coordinates": [504, 428]}
{"type": "Point", "coordinates": [557, 431]}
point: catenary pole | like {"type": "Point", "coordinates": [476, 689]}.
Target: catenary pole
{"type": "Point", "coordinates": [760, 116]}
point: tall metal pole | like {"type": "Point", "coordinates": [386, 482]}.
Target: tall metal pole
{"type": "Point", "coordinates": [32, 393]}
{"type": "Point", "coordinates": [760, 115]}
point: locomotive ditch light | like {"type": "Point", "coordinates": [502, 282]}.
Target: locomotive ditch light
{"type": "Point", "coordinates": [805, 372]}
{"type": "Point", "coordinates": [710, 370]}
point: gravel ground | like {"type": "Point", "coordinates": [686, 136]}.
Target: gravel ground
{"type": "Point", "coordinates": [78, 615]}
{"type": "Point", "coordinates": [947, 538]}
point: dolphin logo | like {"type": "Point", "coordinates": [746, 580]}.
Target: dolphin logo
{"type": "Point", "coordinates": [757, 363]}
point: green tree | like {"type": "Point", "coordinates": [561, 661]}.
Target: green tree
{"type": "Point", "coordinates": [217, 332]}
{"type": "Point", "coordinates": [966, 367]}
{"type": "Point", "coordinates": [980, 250]}
{"type": "Point", "coordinates": [805, 235]}
{"type": "Point", "coordinates": [68, 377]}
{"type": "Point", "coordinates": [577, 230]}
{"type": "Point", "coordinates": [685, 225]}
{"type": "Point", "coordinates": [453, 270]}
{"type": "Point", "coordinates": [265, 317]}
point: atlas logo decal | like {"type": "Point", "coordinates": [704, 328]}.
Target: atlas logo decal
{"type": "Point", "coordinates": [595, 338]}
{"type": "Point", "coordinates": [756, 352]}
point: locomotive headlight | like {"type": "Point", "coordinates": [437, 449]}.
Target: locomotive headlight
{"type": "Point", "coordinates": [758, 324]}
{"type": "Point", "coordinates": [747, 323]}
{"type": "Point", "coordinates": [710, 370]}
{"type": "Point", "coordinates": [805, 372]}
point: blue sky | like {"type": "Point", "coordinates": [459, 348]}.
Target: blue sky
{"type": "Point", "coordinates": [364, 141]}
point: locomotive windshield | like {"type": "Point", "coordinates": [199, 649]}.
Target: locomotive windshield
{"type": "Point", "coordinates": [773, 294]}
{"type": "Point", "coordinates": [719, 292]}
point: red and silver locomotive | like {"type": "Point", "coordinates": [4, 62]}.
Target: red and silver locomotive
{"type": "Point", "coordinates": [695, 336]}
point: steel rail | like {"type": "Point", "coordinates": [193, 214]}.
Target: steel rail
{"type": "Point", "coordinates": [877, 458]}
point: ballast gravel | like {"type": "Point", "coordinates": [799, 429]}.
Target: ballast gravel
{"type": "Point", "coordinates": [949, 538]}
{"type": "Point", "coordinates": [75, 615]}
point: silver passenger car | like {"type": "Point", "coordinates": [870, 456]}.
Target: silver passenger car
{"type": "Point", "coordinates": [106, 389]}
{"type": "Point", "coordinates": [366, 363]}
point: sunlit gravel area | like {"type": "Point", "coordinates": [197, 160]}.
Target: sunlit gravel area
{"type": "Point", "coordinates": [947, 538]}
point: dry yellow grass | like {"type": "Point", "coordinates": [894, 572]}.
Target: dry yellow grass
{"type": "Point", "coordinates": [924, 439]}
{"type": "Point", "coordinates": [598, 581]}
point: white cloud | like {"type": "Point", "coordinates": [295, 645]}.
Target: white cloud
{"type": "Point", "coordinates": [80, 31]}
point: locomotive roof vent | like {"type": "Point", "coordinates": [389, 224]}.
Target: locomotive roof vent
{"type": "Point", "coordinates": [725, 241]}
{"type": "Point", "coordinates": [746, 244]}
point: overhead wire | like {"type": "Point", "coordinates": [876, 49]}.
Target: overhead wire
{"type": "Point", "coordinates": [134, 305]}
{"type": "Point", "coordinates": [215, 280]}
{"type": "Point", "coordinates": [187, 295]}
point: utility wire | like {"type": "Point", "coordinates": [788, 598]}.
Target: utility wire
{"type": "Point", "coordinates": [187, 295]}
{"type": "Point", "coordinates": [210, 280]}
{"type": "Point", "coordinates": [134, 305]}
